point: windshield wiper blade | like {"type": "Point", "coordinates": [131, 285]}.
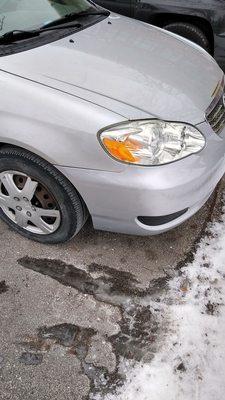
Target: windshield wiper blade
{"type": "Point", "coordinates": [17, 35]}
{"type": "Point", "coordinates": [72, 16]}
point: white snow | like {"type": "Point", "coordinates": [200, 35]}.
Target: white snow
{"type": "Point", "coordinates": [195, 340]}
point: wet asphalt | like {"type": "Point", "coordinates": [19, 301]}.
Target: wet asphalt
{"type": "Point", "coordinates": [70, 313]}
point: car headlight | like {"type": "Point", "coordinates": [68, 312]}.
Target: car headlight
{"type": "Point", "coordinates": [151, 142]}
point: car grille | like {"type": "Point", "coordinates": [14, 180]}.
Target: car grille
{"type": "Point", "coordinates": [216, 113]}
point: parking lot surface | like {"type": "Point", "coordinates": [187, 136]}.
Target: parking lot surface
{"type": "Point", "coordinates": [69, 313]}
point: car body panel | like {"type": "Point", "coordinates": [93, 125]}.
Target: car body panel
{"type": "Point", "coordinates": [116, 200]}
{"type": "Point", "coordinates": [59, 127]}
{"type": "Point", "coordinates": [208, 14]}
{"type": "Point", "coordinates": [137, 74]}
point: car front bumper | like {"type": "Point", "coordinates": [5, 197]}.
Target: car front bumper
{"type": "Point", "coordinates": [116, 199]}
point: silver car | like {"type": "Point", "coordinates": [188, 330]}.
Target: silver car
{"type": "Point", "coordinates": [104, 116]}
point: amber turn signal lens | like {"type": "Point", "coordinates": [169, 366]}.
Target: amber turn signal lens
{"type": "Point", "coordinates": [121, 150]}
{"type": "Point", "coordinates": [151, 142]}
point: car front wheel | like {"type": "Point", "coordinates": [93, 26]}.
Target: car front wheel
{"type": "Point", "coordinates": [36, 200]}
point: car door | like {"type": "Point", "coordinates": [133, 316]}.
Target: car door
{"type": "Point", "coordinates": [119, 6]}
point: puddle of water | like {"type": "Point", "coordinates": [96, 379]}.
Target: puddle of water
{"type": "Point", "coordinates": [65, 274]}
{"type": "Point", "coordinates": [63, 334]}
{"type": "Point", "coordinates": [139, 325]}
{"type": "Point", "coordinates": [3, 287]}
{"type": "Point", "coordinates": [111, 282]}
{"type": "Point", "coordinates": [70, 336]}
{"type": "Point", "coordinates": [139, 331]}
{"type": "Point", "coordinates": [31, 358]}
{"type": "Point", "coordinates": [76, 341]}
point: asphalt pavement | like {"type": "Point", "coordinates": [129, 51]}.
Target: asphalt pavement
{"type": "Point", "coordinates": [69, 313]}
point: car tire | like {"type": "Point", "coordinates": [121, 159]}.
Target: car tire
{"type": "Point", "coordinates": [36, 200]}
{"type": "Point", "coordinates": [191, 32]}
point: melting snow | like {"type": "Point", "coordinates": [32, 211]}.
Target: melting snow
{"type": "Point", "coordinates": [191, 362]}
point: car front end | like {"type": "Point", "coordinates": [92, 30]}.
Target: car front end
{"type": "Point", "coordinates": [150, 200]}
{"type": "Point", "coordinates": [131, 115]}
{"type": "Point", "coordinates": [150, 196]}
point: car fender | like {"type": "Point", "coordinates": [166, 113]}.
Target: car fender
{"type": "Point", "coordinates": [57, 126]}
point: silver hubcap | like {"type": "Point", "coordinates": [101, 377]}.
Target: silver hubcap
{"type": "Point", "coordinates": [21, 200]}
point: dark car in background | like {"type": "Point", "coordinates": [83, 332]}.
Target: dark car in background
{"type": "Point", "coordinates": [202, 21]}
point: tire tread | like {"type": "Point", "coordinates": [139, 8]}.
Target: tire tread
{"type": "Point", "coordinates": [73, 196]}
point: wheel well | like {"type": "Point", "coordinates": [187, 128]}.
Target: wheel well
{"type": "Point", "coordinates": [162, 20]}
{"type": "Point", "coordinates": [2, 145]}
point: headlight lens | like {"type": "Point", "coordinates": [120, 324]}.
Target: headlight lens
{"type": "Point", "coordinates": [151, 142]}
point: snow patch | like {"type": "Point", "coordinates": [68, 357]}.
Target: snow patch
{"type": "Point", "coordinates": [191, 362]}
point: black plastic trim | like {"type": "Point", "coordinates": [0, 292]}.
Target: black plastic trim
{"type": "Point", "coordinates": [162, 219]}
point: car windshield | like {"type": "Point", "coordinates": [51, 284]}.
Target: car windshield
{"type": "Point", "coordinates": [34, 14]}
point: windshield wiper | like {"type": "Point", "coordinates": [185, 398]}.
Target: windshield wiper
{"type": "Point", "coordinates": [74, 15]}
{"type": "Point", "coordinates": [17, 34]}
{"type": "Point", "coordinates": [14, 35]}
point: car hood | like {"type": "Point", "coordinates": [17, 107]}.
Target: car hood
{"type": "Point", "coordinates": [127, 66]}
